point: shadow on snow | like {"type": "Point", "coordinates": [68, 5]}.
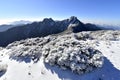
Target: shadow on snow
{"type": "Point", "coordinates": [107, 72]}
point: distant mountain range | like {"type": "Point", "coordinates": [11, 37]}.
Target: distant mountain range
{"type": "Point", "coordinates": [21, 22]}
{"type": "Point", "coordinates": [43, 28]}
{"type": "Point", "coordinates": [5, 27]}
{"type": "Point", "coordinates": [109, 27]}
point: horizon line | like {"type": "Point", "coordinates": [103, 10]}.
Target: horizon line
{"type": "Point", "coordinates": [93, 21]}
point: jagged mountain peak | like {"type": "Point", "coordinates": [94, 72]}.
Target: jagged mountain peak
{"type": "Point", "coordinates": [48, 20]}
{"type": "Point", "coordinates": [73, 20]}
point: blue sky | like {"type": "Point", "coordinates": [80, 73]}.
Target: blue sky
{"type": "Point", "coordinates": [106, 11]}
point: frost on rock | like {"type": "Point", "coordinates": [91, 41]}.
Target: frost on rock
{"type": "Point", "coordinates": [1, 48]}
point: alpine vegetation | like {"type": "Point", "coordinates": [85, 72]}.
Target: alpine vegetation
{"type": "Point", "coordinates": [69, 53]}
{"type": "Point", "coordinates": [66, 51]}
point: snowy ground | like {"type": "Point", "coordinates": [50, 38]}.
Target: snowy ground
{"type": "Point", "coordinates": [11, 69]}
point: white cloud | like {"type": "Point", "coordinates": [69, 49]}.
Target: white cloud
{"type": "Point", "coordinates": [8, 21]}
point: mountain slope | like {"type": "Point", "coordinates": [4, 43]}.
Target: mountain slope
{"type": "Point", "coordinates": [12, 68]}
{"type": "Point", "coordinates": [5, 27]}
{"type": "Point", "coordinates": [44, 28]}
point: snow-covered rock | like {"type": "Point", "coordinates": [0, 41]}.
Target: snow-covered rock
{"type": "Point", "coordinates": [1, 48]}
{"type": "Point", "coordinates": [3, 67]}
